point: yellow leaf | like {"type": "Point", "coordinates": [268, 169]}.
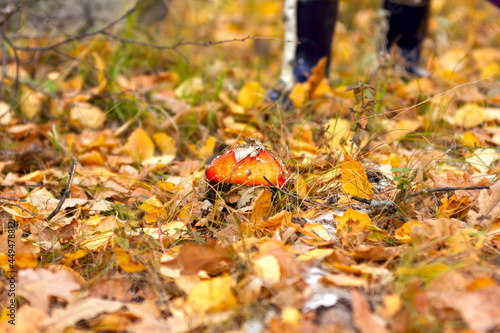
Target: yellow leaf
{"type": "Point", "coordinates": [345, 280]}
{"type": "Point", "coordinates": [207, 150]}
{"type": "Point", "coordinates": [154, 210]}
{"type": "Point", "coordinates": [299, 94]}
{"type": "Point", "coordinates": [212, 295]}
{"type": "Point", "coordinates": [165, 143]}
{"type": "Point", "coordinates": [315, 254]}
{"type": "Point", "coordinates": [471, 140]}
{"type": "Point", "coordinates": [321, 90]}
{"type": "Point", "coordinates": [126, 263]}
{"type": "Point", "coordinates": [353, 222]}
{"type": "Point", "coordinates": [402, 234]}
{"type": "Point", "coordinates": [139, 145]}
{"type": "Point", "coordinates": [70, 257]}
{"type": "Point", "coordinates": [250, 95]}
{"type": "Point", "coordinates": [268, 269]}
{"type": "Point", "coordinates": [290, 315]}
{"type": "Point", "coordinates": [339, 129]}
{"type": "Point", "coordinates": [470, 115]}
{"type": "Point", "coordinates": [91, 158]}
{"type": "Point", "coordinates": [101, 78]}
{"type": "Point", "coordinates": [31, 103]}
{"type": "Point", "coordinates": [85, 114]}
{"type": "Point", "coordinates": [353, 178]}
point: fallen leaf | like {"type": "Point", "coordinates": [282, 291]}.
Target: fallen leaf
{"type": "Point", "coordinates": [489, 207]}
{"type": "Point", "coordinates": [363, 318]}
{"type": "Point", "coordinates": [353, 178]}
{"type": "Point", "coordinates": [126, 262]}
{"type": "Point", "coordinates": [212, 295]}
{"type": "Point", "coordinates": [268, 269]}
{"type": "Point", "coordinates": [250, 95]}
{"type": "Point", "coordinates": [38, 285]}
{"type": "Point", "coordinates": [88, 115]}
{"type": "Point", "coordinates": [139, 145]}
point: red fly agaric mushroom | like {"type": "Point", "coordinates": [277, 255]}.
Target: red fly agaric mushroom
{"type": "Point", "coordinates": [247, 164]}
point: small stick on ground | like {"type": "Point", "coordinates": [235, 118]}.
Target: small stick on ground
{"type": "Point", "coordinates": [18, 206]}
{"type": "Point", "coordinates": [67, 191]}
{"type": "Point", "coordinates": [448, 189]}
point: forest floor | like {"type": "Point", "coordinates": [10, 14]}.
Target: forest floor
{"type": "Point", "coordinates": [389, 219]}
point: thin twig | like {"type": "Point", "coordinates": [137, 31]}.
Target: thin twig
{"type": "Point", "coordinates": [16, 58]}
{"type": "Point", "coordinates": [18, 206]}
{"type": "Point", "coordinates": [447, 189]}
{"type": "Point", "coordinates": [67, 191]}
{"type": "Point", "coordinates": [13, 199]}
{"type": "Point", "coordinates": [82, 36]}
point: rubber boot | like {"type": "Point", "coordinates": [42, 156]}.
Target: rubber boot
{"type": "Point", "coordinates": [315, 27]}
{"type": "Point", "coordinates": [408, 22]}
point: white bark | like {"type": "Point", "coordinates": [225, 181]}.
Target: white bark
{"type": "Point", "coordinates": [290, 44]}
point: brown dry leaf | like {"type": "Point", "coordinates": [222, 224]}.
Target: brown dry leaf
{"type": "Point", "coordinates": [87, 115]}
{"type": "Point", "coordinates": [38, 285]}
{"type": "Point", "coordinates": [250, 95]}
{"type": "Point", "coordinates": [193, 258]}
{"type": "Point", "coordinates": [262, 207]}
{"type": "Point", "coordinates": [84, 309]}
{"type": "Point", "coordinates": [353, 178]}
{"type": "Point", "coordinates": [452, 180]}
{"type": "Point", "coordinates": [480, 309]}
{"type": "Point", "coordinates": [20, 245]}
{"type": "Point", "coordinates": [126, 262]}
{"type": "Point", "coordinates": [363, 318]}
{"type": "Point", "coordinates": [139, 145]}
{"type": "Point", "coordinates": [489, 207]}
{"type": "Point", "coordinates": [212, 295]}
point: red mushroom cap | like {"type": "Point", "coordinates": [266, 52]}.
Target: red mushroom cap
{"type": "Point", "coordinates": [247, 164]}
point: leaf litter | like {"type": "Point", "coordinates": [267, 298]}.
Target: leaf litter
{"type": "Point", "coordinates": [355, 240]}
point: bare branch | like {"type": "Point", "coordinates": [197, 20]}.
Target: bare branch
{"type": "Point", "coordinates": [67, 191]}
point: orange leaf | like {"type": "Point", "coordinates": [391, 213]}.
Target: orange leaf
{"type": "Point", "coordinates": [353, 178]}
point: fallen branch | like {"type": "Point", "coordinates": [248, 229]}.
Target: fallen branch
{"type": "Point", "coordinates": [67, 191]}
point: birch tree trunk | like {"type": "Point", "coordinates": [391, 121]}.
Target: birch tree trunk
{"type": "Point", "coordinates": [290, 44]}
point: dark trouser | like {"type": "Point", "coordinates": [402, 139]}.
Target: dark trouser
{"type": "Point", "coordinates": [316, 23]}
